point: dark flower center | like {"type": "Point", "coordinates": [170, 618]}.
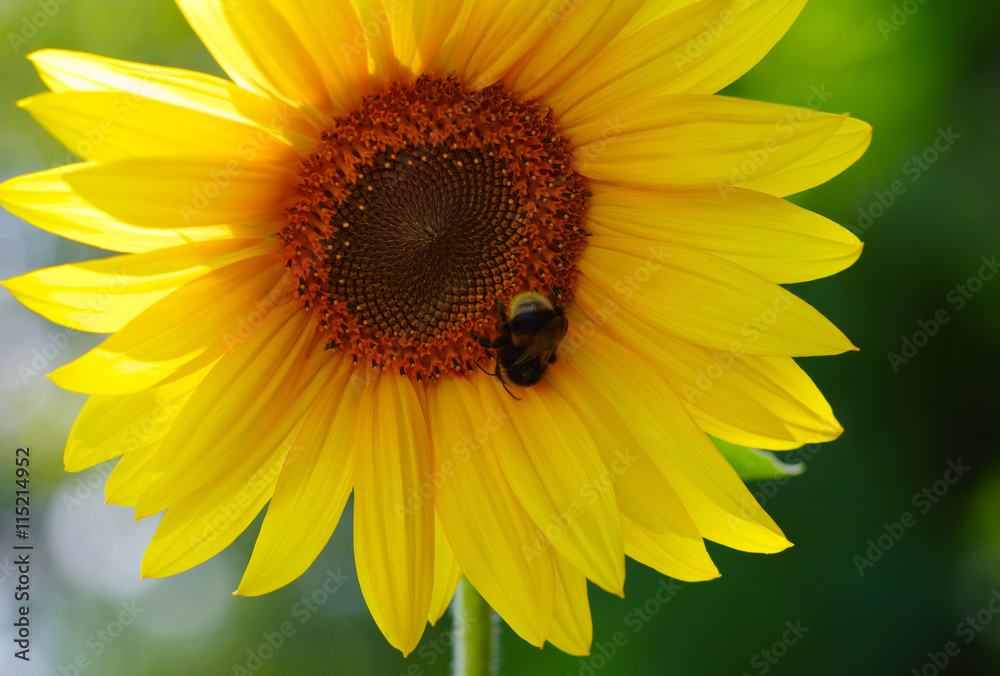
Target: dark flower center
{"type": "Point", "coordinates": [419, 210]}
{"type": "Point", "coordinates": [428, 233]}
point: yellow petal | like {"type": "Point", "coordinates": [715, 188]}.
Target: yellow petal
{"type": "Point", "coordinates": [764, 402]}
{"type": "Point", "coordinates": [777, 240]}
{"type": "Point", "coordinates": [579, 32]}
{"type": "Point", "coordinates": [130, 423]}
{"type": "Point", "coordinates": [512, 567]}
{"type": "Point", "coordinates": [184, 191]}
{"type": "Point", "coordinates": [740, 39]}
{"type": "Point", "coordinates": [669, 553]}
{"type": "Point", "coordinates": [261, 388]}
{"type": "Point", "coordinates": [103, 295]}
{"type": "Point", "coordinates": [376, 23]}
{"type": "Point", "coordinates": [774, 382]}
{"type": "Point", "coordinates": [419, 29]}
{"type": "Point", "coordinates": [108, 126]}
{"type": "Point", "coordinates": [650, 12]}
{"type": "Point", "coordinates": [209, 22]}
{"type": "Point", "coordinates": [836, 154]}
{"type": "Point", "coordinates": [271, 45]}
{"type": "Point", "coordinates": [698, 140]}
{"type": "Point", "coordinates": [644, 494]}
{"type": "Point", "coordinates": [207, 520]}
{"type": "Point", "coordinates": [612, 438]}
{"type": "Point", "coordinates": [706, 300]}
{"type": "Point", "coordinates": [552, 463]}
{"type": "Point", "coordinates": [315, 482]}
{"type": "Point", "coordinates": [698, 49]}
{"type": "Point", "coordinates": [447, 573]}
{"type": "Point", "coordinates": [187, 329]}
{"type": "Point", "coordinates": [712, 493]}
{"type": "Point", "coordinates": [572, 629]}
{"type": "Point", "coordinates": [201, 527]}
{"type": "Point", "coordinates": [47, 201]}
{"type": "Point", "coordinates": [128, 479]}
{"type": "Point", "coordinates": [63, 70]}
{"type": "Point", "coordinates": [710, 382]}
{"type": "Point", "coordinates": [492, 35]}
{"type": "Point", "coordinates": [326, 33]}
{"type": "Point", "coordinates": [393, 522]}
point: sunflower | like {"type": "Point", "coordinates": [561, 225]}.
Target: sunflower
{"type": "Point", "coordinates": [319, 261]}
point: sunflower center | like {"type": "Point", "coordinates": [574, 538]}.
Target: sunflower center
{"type": "Point", "coordinates": [425, 232]}
{"type": "Point", "coordinates": [419, 210]}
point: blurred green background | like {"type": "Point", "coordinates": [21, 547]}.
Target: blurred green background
{"type": "Point", "coordinates": [924, 74]}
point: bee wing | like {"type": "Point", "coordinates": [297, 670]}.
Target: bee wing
{"type": "Point", "coordinates": [544, 343]}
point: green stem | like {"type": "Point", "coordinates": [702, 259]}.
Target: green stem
{"type": "Point", "coordinates": [476, 638]}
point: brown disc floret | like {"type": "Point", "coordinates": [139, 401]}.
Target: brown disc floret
{"type": "Point", "coordinates": [422, 206]}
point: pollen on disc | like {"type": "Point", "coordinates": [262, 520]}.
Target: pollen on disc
{"type": "Point", "coordinates": [419, 209]}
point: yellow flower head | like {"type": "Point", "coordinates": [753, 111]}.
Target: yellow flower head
{"type": "Point", "coordinates": [320, 258]}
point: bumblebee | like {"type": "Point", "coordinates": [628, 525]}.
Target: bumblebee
{"type": "Point", "coordinates": [533, 327]}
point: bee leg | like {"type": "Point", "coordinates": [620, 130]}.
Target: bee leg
{"type": "Point", "coordinates": [508, 391]}
{"type": "Point", "coordinates": [496, 374]}
{"type": "Point", "coordinates": [504, 383]}
{"type": "Point", "coordinates": [484, 370]}
{"type": "Point", "coordinates": [501, 314]}
{"type": "Point", "coordinates": [486, 344]}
